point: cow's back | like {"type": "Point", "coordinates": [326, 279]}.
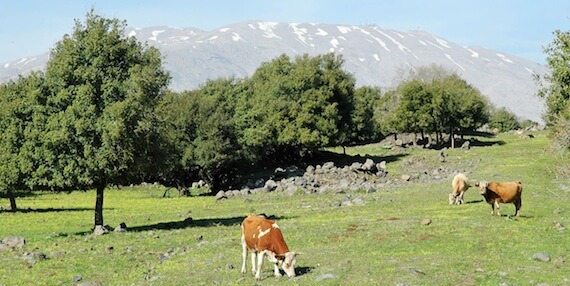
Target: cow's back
{"type": "Point", "coordinates": [262, 234]}
{"type": "Point", "coordinates": [459, 184]}
{"type": "Point", "coordinates": [507, 191]}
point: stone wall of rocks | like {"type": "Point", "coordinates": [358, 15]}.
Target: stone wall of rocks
{"type": "Point", "coordinates": [329, 178]}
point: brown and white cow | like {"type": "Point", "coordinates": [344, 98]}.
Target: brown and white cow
{"type": "Point", "coordinates": [263, 237]}
{"type": "Point", "coordinates": [459, 186]}
{"type": "Point", "coordinates": [505, 192]}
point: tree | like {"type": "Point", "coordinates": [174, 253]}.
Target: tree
{"type": "Point", "coordinates": [102, 88]}
{"type": "Point", "coordinates": [556, 85]}
{"type": "Point", "coordinates": [22, 124]}
{"type": "Point", "coordinates": [503, 120]}
{"type": "Point", "coordinates": [556, 89]}
{"type": "Point", "coordinates": [438, 102]}
{"type": "Point", "coordinates": [295, 106]}
{"type": "Point", "coordinates": [364, 126]}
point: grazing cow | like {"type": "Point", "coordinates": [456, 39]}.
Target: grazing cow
{"type": "Point", "coordinates": [263, 237]}
{"type": "Point", "coordinates": [459, 186]}
{"type": "Point", "coordinates": [505, 192]}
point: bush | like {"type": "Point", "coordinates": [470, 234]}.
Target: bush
{"type": "Point", "coordinates": [503, 120]}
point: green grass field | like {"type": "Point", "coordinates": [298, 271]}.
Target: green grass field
{"type": "Point", "coordinates": [382, 242]}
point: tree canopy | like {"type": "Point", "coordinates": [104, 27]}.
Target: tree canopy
{"type": "Point", "coordinates": [90, 118]}
{"type": "Point", "coordinates": [556, 89]}
{"type": "Point", "coordinates": [433, 100]}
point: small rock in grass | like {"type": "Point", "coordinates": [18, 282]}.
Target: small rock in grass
{"type": "Point", "coordinates": [326, 276]}
{"type": "Point", "coordinates": [541, 256]}
{"type": "Point", "coordinates": [426, 221]}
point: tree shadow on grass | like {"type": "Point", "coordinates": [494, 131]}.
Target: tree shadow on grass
{"type": "Point", "coordinates": [477, 143]}
{"type": "Point", "coordinates": [231, 221]}
{"type": "Point", "coordinates": [46, 210]}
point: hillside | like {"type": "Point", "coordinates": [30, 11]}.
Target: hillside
{"type": "Point", "coordinates": [375, 56]}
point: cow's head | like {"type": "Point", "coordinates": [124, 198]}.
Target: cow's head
{"type": "Point", "coordinates": [482, 187]}
{"type": "Point", "coordinates": [288, 261]}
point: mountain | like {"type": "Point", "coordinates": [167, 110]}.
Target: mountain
{"type": "Point", "coordinates": [372, 54]}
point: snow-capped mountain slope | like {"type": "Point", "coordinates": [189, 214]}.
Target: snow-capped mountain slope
{"type": "Point", "coordinates": [373, 55]}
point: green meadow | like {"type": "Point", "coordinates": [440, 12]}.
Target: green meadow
{"type": "Point", "coordinates": [384, 241]}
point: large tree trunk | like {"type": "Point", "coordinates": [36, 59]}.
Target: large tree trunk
{"type": "Point", "coordinates": [12, 198]}
{"type": "Point", "coordinates": [99, 205]}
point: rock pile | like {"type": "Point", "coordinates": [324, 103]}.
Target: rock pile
{"type": "Point", "coordinates": [328, 178]}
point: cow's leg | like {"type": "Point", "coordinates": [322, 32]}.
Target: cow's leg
{"type": "Point", "coordinates": [259, 265]}
{"type": "Point", "coordinates": [243, 254]}
{"type": "Point", "coordinates": [276, 270]}
{"type": "Point", "coordinates": [460, 198]}
{"type": "Point", "coordinates": [498, 207]}
{"type": "Point", "coordinates": [253, 262]}
{"type": "Point", "coordinates": [492, 208]}
{"type": "Point", "coordinates": [518, 204]}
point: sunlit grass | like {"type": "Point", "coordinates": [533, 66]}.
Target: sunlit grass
{"type": "Point", "coordinates": [382, 242]}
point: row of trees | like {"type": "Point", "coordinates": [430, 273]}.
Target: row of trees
{"type": "Point", "coordinates": [101, 114]}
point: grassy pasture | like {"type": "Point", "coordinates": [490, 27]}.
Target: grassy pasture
{"type": "Point", "coordinates": [382, 242]}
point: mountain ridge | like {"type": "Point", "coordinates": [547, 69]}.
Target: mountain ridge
{"type": "Point", "coordinates": [372, 54]}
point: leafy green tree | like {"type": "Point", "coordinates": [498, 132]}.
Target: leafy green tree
{"type": "Point", "coordinates": [503, 120]}
{"type": "Point", "coordinates": [22, 123]}
{"type": "Point", "coordinates": [102, 88]}
{"type": "Point", "coordinates": [200, 128]}
{"type": "Point", "coordinates": [364, 126]}
{"type": "Point", "coordinates": [296, 105]}
{"type": "Point", "coordinates": [556, 90]}
{"type": "Point", "coordinates": [414, 114]}
{"type": "Point", "coordinates": [556, 84]}
{"type": "Point", "coordinates": [385, 113]}
{"type": "Point", "coordinates": [438, 102]}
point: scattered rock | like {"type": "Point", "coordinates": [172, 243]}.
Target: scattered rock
{"type": "Point", "coordinates": [558, 261]}
{"type": "Point", "coordinates": [358, 201]}
{"type": "Point", "coordinates": [77, 278]}
{"type": "Point", "coordinates": [220, 195]}
{"type": "Point", "coordinates": [426, 221]}
{"type": "Point", "coordinates": [559, 227]}
{"type": "Point", "coordinates": [270, 185]}
{"type": "Point", "coordinates": [230, 266]}
{"type": "Point", "coordinates": [12, 242]}
{"type": "Point", "coordinates": [326, 276]}
{"type": "Point", "coordinates": [100, 230]}
{"type": "Point", "coordinates": [381, 166]}
{"type": "Point", "coordinates": [406, 177]}
{"type": "Point", "coordinates": [34, 257]}
{"type": "Point", "coordinates": [121, 228]}
{"type": "Point", "coordinates": [109, 249]}
{"type": "Point", "coordinates": [541, 256]}
{"type": "Point", "coordinates": [466, 145]}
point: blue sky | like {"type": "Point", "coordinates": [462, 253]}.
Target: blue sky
{"type": "Point", "coordinates": [521, 28]}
